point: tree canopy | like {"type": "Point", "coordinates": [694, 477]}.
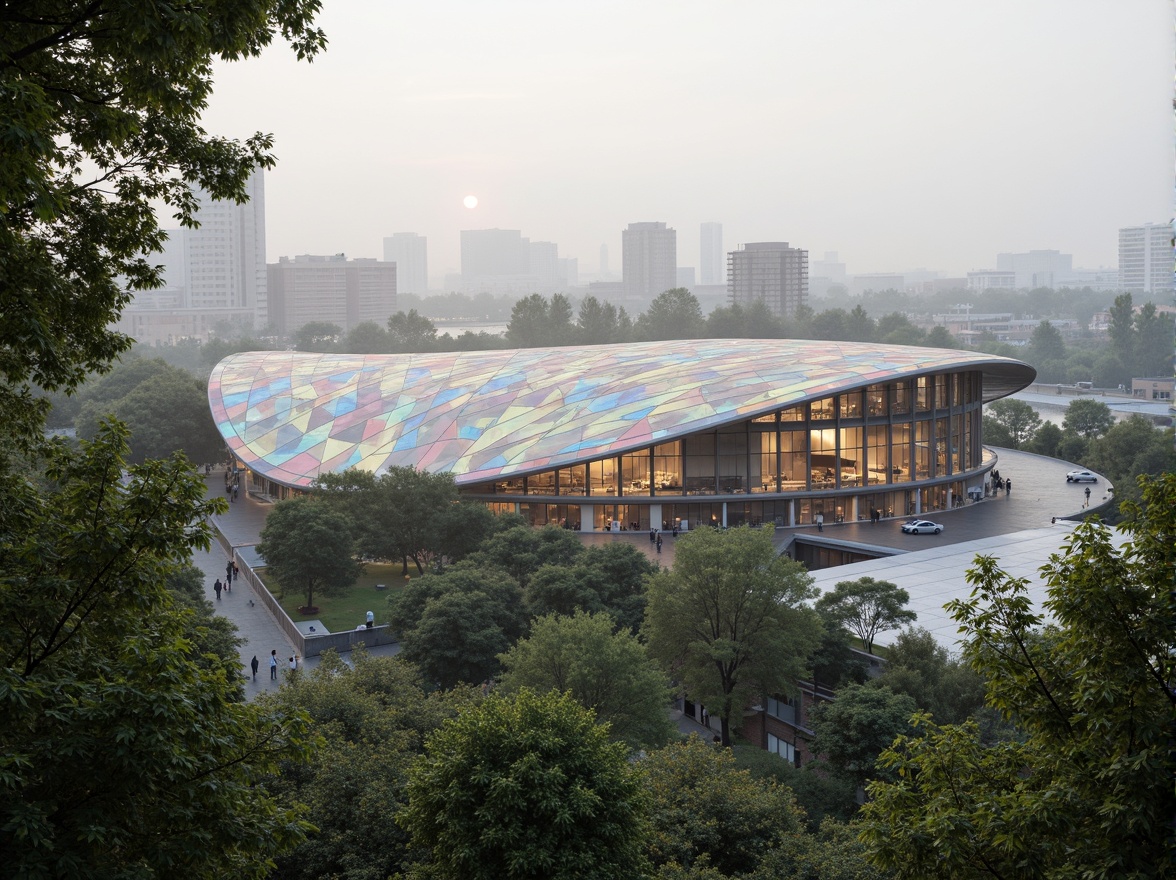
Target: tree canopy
{"type": "Point", "coordinates": [730, 619]}
{"type": "Point", "coordinates": [308, 546]}
{"type": "Point", "coordinates": [867, 607]}
{"type": "Point", "coordinates": [126, 752]}
{"type": "Point", "coordinates": [526, 786]}
{"type": "Point", "coordinates": [102, 122]}
{"type": "Point", "coordinates": [1016, 419]}
{"type": "Point", "coordinates": [605, 671]}
{"type": "Point", "coordinates": [1086, 790]}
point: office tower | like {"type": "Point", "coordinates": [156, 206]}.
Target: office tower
{"type": "Point", "coordinates": [770, 272]}
{"type": "Point", "coordinates": [333, 289]}
{"type": "Point", "coordinates": [712, 266]}
{"type": "Point", "coordinates": [1036, 268]}
{"type": "Point", "coordinates": [649, 259]}
{"type": "Point", "coordinates": [493, 252]}
{"type": "Point", "coordinates": [224, 259]}
{"type": "Point", "coordinates": [410, 253]}
{"type": "Point", "coordinates": [1145, 258]}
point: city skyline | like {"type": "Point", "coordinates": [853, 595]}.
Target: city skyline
{"type": "Point", "coordinates": [914, 135]}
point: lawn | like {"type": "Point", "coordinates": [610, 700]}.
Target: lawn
{"type": "Point", "coordinates": [349, 609]}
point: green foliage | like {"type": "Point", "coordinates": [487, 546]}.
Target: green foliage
{"type": "Point", "coordinates": [403, 514]}
{"type": "Point", "coordinates": [534, 322]}
{"type": "Point", "coordinates": [1131, 448]}
{"type": "Point", "coordinates": [856, 727]}
{"type": "Point", "coordinates": [216, 350]}
{"type": "Point", "coordinates": [166, 409]}
{"type": "Point", "coordinates": [1088, 791]}
{"type": "Point", "coordinates": [605, 671]}
{"type": "Point", "coordinates": [1087, 417]}
{"type": "Point", "coordinates": [832, 852]}
{"type": "Point", "coordinates": [867, 607]}
{"type": "Point", "coordinates": [730, 619]}
{"type": "Point", "coordinates": [706, 811]}
{"type": "Point", "coordinates": [411, 332]}
{"type": "Point", "coordinates": [609, 579]}
{"type": "Point", "coordinates": [119, 739]}
{"type": "Point", "coordinates": [366, 337]}
{"type": "Point", "coordinates": [214, 638]}
{"type": "Point", "coordinates": [308, 546]}
{"type": "Point", "coordinates": [317, 336]}
{"type": "Point", "coordinates": [918, 666]}
{"type": "Point", "coordinates": [820, 794]}
{"type": "Point", "coordinates": [1045, 345]}
{"type": "Point", "coordinates": [102, 124]}
{"type": "Point", "coordinates": [526, 786]}
{"type": "Point", "coordinates": [599, 323]}
{"type": "Point", "coordinates": [674, 314]}
{"type": "Point", "coordinates": [1046, 441]}
{"type": "Point", "coordinates": [373, 717]}
{"type": "Point", "coordinates": [1019, 420]}
{"type": "Point", "coordinates": [454, 625]}
{"type": "Point", "coordinates": [522, 550]}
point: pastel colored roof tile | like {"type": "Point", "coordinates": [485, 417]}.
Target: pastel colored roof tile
{"type": "Point", "coordinates": [487, 414]}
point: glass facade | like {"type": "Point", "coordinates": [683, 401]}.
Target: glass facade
{"type": "Point", "coordinates": [837, 457]}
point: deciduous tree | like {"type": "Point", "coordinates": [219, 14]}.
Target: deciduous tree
{"type": "Point", "coordinates": [102, 111]}
{"type": "Point", "coordinates": [605, 671]}
{"type": "Point", "coordinates": [126, 753]}
{"type": "Point", "coordinates": [730, 619]}
{"type": "Point", "coordinates": [1087, 790]}
{"type": "Point", "coordinates": [674, 314]}
{"type": "Point", "coordinates": [1088, 418]}
{"type": "Point", "coordinates": [857, 726]}
{"type": "Point", "coordinates": [867, 607]}
{"type": "Point", "coordinates": [1017, 417]}
{"type": "Point", "coordinates": [308, 546]}
{"type": "Point", "coordinates": [526, 786]}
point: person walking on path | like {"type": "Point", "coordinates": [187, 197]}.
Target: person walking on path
{"type": "Point", "coordinates": [274, 665]}
{"type": "Point", "coordinates": [820, 522]}
{"type": "Point", "coordinates": [254, 664]}
{"type": "Point", "coordinates": [1087, 504]}
{"type": "Point", "coordinates": [1008, 486]}
{"type": "Point", "coordinates": [652, 535]}
{"type": "Point", "coordinates": [659, 543]}
{"type": "Point", "coordinates": [229, 570]}
{"type": "Point", "coordinates": [216, 588]}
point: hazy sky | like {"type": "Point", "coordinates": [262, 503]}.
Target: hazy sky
{"type": "Point", "coordinates": [899, 133]}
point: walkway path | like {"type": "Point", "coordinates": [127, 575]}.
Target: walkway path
{"type": "Point", "coordinates": [242, 525]}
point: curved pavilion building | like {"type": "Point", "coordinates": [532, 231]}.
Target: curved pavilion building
{"type": "Point", "coordinates": [686, 432]}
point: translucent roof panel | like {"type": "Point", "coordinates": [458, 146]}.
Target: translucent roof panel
{"type": "Point", "coordinates": [480, 415]}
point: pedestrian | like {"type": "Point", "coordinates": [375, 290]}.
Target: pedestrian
{"type": "Point", "coordinates": [652, 535]}
{"type": "Point", "coordinates": [216, 588]}
{"type": "Point", "coordinates": [229, 569]}
{"type": "Point", "coordinates": [254, 664]}
{"type": "Point", "coordinates": [820, 522]}
{"type": "Point", "coordinates": [659, 543]}
{"type": "Point", "coordinates": [675, 531]}
{"type": "Point", "coordinates": [1087, 504]}
{"type": "Point", "coordinates": [1008, 486]}
{"type": "Point", "coordinates": [274, 665]}
{"type": "Point", "coordinates": [234, 493]}
{"type": "Point", "coordinates": [236, 572]}
{"type": "Point", "coordinates": [294, 663]}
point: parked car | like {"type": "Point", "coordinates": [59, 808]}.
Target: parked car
{"type": "Point", "coordinates": [1081, 477]}
{"type": "Point", "coordinates": [919, 526]}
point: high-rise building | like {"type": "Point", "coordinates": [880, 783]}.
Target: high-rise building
{"type": "Point", "coordinates": [649, 259]}
{"type": "Point", "coordinates": [770, 272]}
{"type": "Point", "coordinates": [1145, 258]}
{"type": "Point", "coordinates": [410, 253]}
{"type": "Point", "coordinates": [224, 259]}
{"type": "Point", "coordinates": [333, 289]}
{"type": "Point", "coordinates": [493, 252]}
{"type": "Point", "coordinates": [1036, 268]}
{"type": "Point", "coordinates": [712, 266]}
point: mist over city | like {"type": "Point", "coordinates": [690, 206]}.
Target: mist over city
{"type": "Point", "coordinates": [902, 136]}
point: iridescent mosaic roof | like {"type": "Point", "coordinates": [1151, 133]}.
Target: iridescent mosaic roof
{"type": "Point", "coordinates": [480, 415]}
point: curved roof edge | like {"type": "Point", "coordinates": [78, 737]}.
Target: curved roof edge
{"type": "Point", "coordinates": [483, 415]}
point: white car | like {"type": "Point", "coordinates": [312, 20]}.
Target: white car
{"type": "Point", "coordinates": [919, 526]}
{"type": "Point", "coordinates": [1081, 477]}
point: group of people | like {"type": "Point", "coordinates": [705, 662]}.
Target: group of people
{"type": "Point", "coordinates": [273, 664]}
{"type": "Point", "coordinates": [656, 538]}
{"type": "Point", "coordinates": [232, 573]}
{"type": "Point", "coordinates": [232, 484]}
{"type": "Point", "coordinates": [1000, 484]}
